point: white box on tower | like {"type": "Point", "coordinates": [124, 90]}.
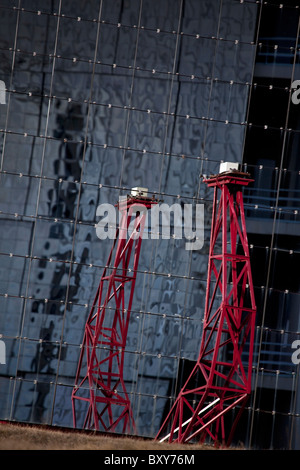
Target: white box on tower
{"type": "Point", "coordinates": [228, 166]}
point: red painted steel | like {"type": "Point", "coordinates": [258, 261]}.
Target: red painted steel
{"type": "Point", "coordinates": [221, 378]}
{"type": "Point", "coordinates": [99, 397]}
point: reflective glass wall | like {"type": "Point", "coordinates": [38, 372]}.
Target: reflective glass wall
{"type": "Point", "coordinates": [272, 156]}
{"type": "Point", "coordinates": [97, 97]}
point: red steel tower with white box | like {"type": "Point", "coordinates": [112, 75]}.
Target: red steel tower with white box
{"type": "Point", "coordinates": [221, 378]}
{"type": "Point", "coordinates": [99, 397]}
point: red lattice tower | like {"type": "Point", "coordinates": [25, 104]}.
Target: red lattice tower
{"type": "Point", "coordinates": [221, 378]}
{"type": "Point", "coordinates": [99, 383]}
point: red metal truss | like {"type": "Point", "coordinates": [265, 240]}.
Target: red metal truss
{"type": "Point", "coordinates": [221, 378]}
{"type": "Point", "coordinates": [99, 383]}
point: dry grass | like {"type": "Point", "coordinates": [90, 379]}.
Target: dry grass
{"type": "Point", "coordinates": [26, 437]}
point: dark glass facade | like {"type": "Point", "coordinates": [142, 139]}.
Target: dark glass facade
{"type": "Point", "coordinates": [97, 97]}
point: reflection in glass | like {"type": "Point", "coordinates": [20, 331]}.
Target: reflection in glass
{"type": "Point", "coordinates": [103, 97]}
